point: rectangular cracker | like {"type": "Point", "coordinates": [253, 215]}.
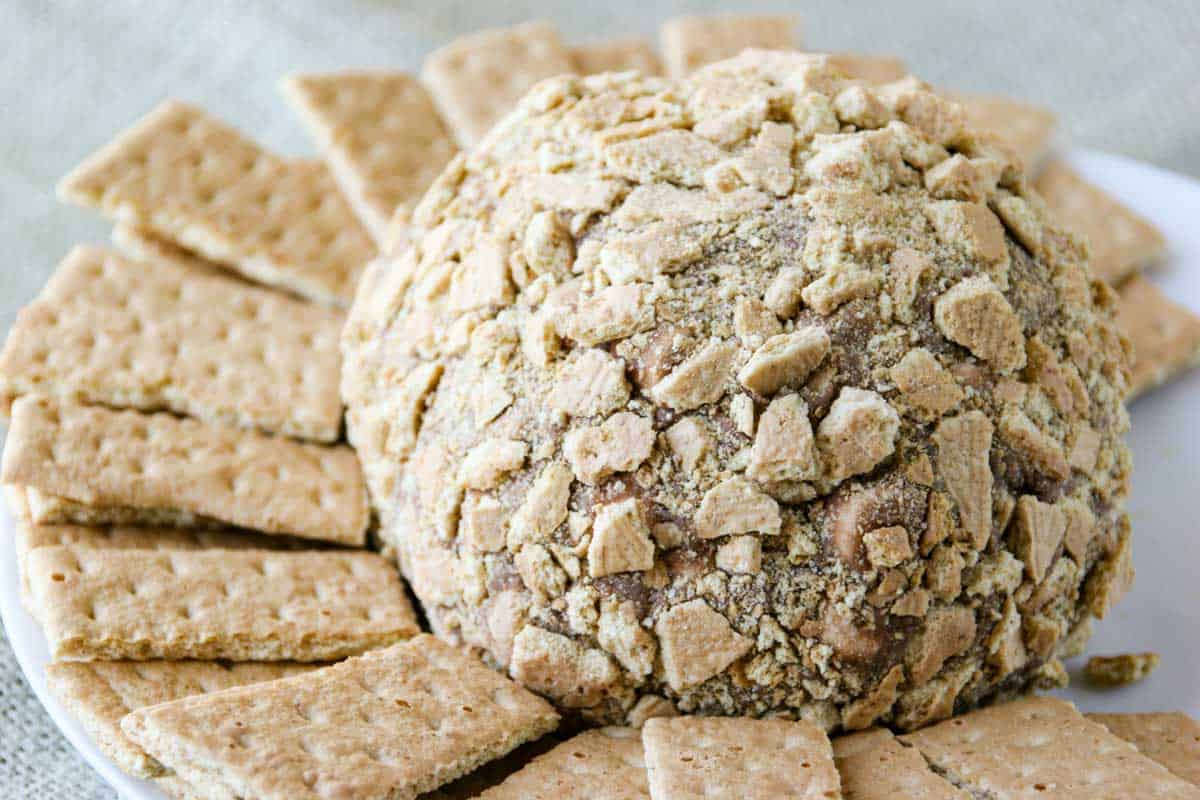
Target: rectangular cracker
{"type": "Point", "coordinates": [380, 134]}
{"type": "Point", "coordinates": [241, 605]}
{"type": "Point", "coordinates": [1121, 241]}
{"type": "Point", "coordinates": [1026, 128]}
{"type": "Point", "coordinates": [1170, 738]}
{"type": "Point", "coordinates": [870, 68]}
{"type": "Point", "coordinates": [874, 766]}
{"type": "Point", "coordinates": [391, 724]}
{"type": "Point", "coordinates": [616, 55]}
{"type": "Point", "coordinates": [1165, 335]}
{"type": "Point", "coordinates": [693, 41]}
{"type": "Point", "coordinates": [1042, 745]}
{"type": "Point", "coordinates": [688, 758]}
{"type": "Point", "coordinates": [142, 244]}
{"type": "Point", "coordinates": [604, 764]}
{"type": "Point", "coordinates": [161, 469]}
{"type": "Point", "coordinates": [202, 184]}
{"type": "Point", "coordinates": [477, 79]}
{"type": "Point", "coordinates": [100, 693]}
{"type": "Point", "coordinates": [152, 335]}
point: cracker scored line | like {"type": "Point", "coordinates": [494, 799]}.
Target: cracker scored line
{"type": "Point", "coordinates": [1171, 739]}
{"type": "Point", "coordinates": [688, 43]}
{"type": "Point", "coordinates": [688, 758]}
{"type": "Point", "coordinates": [135, 468]}
{"type": "Point", "coordinates": [381, 135]}
{"type": "Point", "coordinates": [1165, 335]}
{"type": "Point", "coordinates": [607, 763]}
{"type": "Point", "coordinates": [241, 605]}
{"type": "Point", "coordinates": [157, 336]}
{"type": "Point", "coordinates": [1120, 241]}
{"type": "Point", "coordinates": [616, 55]}
{"type": "Point", "coordinates": [203, 185]}
{"type": "Point", "coordinates": [391, 724]}
{"type": "Point", "coordinates": [100, 693]}
{"type": "Point", "coordinates": [476, 79]}
{"type": "Point", "coordinates": [874, 766]}
{"type": "Point", "coordinates": [1043, 745]}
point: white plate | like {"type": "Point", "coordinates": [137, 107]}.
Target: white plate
{"type": "Point", "coordinates": [1162, 613]}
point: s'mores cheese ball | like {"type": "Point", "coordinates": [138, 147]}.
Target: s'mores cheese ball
{"type": "Point", "coordinates": [756, 391]}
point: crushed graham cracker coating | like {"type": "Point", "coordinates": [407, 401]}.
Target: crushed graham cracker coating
{"type": "Point", "coordinates": [789, 359]}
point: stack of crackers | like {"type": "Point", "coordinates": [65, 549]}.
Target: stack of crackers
{"type": "Point", "coordinates": [193, 531]}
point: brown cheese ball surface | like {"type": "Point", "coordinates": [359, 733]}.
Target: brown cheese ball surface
{"type": "Point", "coordinates": [757, 392]}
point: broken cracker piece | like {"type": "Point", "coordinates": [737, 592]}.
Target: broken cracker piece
{"type": "Point", "coordinates": [198, 181]}
{"type": "Point", "coordinates": [1165, 335]}
{"type": "Point", "coordinates": [391, 724]}
{"type": "Point", "coordinates": [1120, 670]}
{"type": "Point", "coordinates": [874, 766]}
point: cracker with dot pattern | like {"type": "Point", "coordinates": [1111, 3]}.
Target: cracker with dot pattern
{"type": "Point", "coordinates": [142, 244]}
{"type": "Point", "coordinates": [392, 724]}
{"type": "Point", "coordinates": [874, 766]}
{"type": "Point", "coordinates": [756, 759]}
{"type": "Point", "coordinates": [1043, 747]}
{"type": "Point", "coordinates": [1170, 738]}
{"type": "Point", "coordinates": [240, 605]}
{"type": "Point", "coordinates": [476, 79]}
{"type": "Point", "coordinates": [379, 132]}
{"type": "Point", "coordinates": [200, 183]}
{"type": "Point", "coordinates": [605, 764]}
{"type": "Point", "coordinates": [125, 467]}
{"type": "Point", "coordinates": [1120, 241]}
{"type": "Point", "coordinates": [616, 55]}
{"type": "Point", "coordinates": [690, 42]}
{"type": "Point", "coordinates": [98, 694]}
{"type": "Point", "coordinates": [1165, 335]}
{"type": "Point", "coordinates": [156, 336]}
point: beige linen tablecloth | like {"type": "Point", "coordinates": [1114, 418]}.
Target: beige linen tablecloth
{"type": "Point", "coordinates": [1122, 75]}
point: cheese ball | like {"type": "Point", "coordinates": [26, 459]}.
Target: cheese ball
{"type": "Point", "coordinates": [760, 392]}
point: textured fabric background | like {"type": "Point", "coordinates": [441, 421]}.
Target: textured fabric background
{"type": "Point", "coordinates": [1122, 75]}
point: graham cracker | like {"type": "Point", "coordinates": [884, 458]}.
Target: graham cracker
{"type": "Point", "coordinates": [1042, 747]}
{"type": "Point", "coordinates": [155, 336]}
{"type": "Point", "coordinates": [759, 759]}
{"type": "Point", "coordinates": [1026, 128]}
{"type": "Point", "coordinates": [870, 68]}
{"type": "Point", "coordinates": [476, 79]}
{"type": "Point", "coordinates": [1170, 738]}
{"type": "Point", "coordinates": [100, 693]}
{"type": "Point", "coordinates": [142, 244]}
{"type": "Point", "coordinates": [1165, 335]}
{"type": "Point", "coordinates": [105, 459]}
{"type": "Point", "coordinates": [1121, 241]}
{"type": "Point", "coordinates": [380, 134]}
{"type": "Point", "coordinates": [391, 724]}
{"type": "Point", "coordinates": [241, 605]}
{"type": "Point", "coordinates": [875, 766]}
{"type": "Point", "coordinates": [616, 55]}
{"type": "Point", "coordinates": [693, 41]}
{"type": "Point", "coordinates": [202, 184]}
{"type": "Point", "coordinates": [604, 764]}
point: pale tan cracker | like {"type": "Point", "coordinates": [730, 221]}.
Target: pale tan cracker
{"type": "Point", "coordinates": [1170, 738]}
{"type": "Point", "coordinates": [477, 79]}
{"type": "Point", "coordinates": [693, 41]}
{"type": "Point", "coordinates": [153, 336]}
{"type": "Point", "coordinates": [242, 605]}
{"type": "Point", "coordinates": [1120, 241]}
{"type": "Point", "coordinates": [1026, 128]}
{"type": "Point", "coordinates": [391, 724]}
{"type": "Point", "coordinates": [1165, 335]}
{"type": "Point", "coordinates": [142, 244]}
{"type": "Point", "coordinates": [106, 459]}
{"type": "Point", "coordinates": [874, 766]}
{"type": "Point", "coordinates": [699, 757]}
{"type": "Point", "coordinates": [616, 55]}
{"type": "Point", "coordinates": [604, 764]}
{"type": "Point", "coordinates": [1043, 747]}
{"type": "Point", "coordinates": [201, 183]}
{"type": "Point", "coordinates": [381, 135]}
{"type": "Point", "coordinates": [100, 693]}
{"type": "Point", "coordinates": [49, 509]}
{"type": "Point", "coordinates": [868, 67]}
